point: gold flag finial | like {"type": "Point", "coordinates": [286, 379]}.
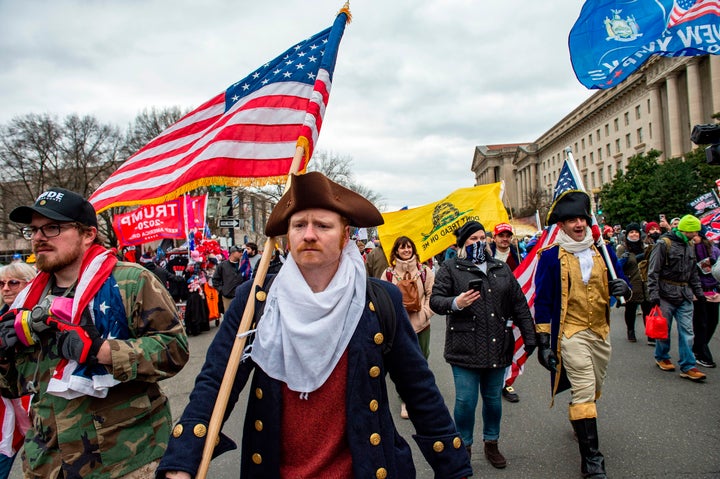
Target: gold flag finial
{"type": "Point", "coordinates": [346, 10]}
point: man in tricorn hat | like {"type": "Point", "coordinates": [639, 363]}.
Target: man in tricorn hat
{"type": "Point", "coordinates": [319, 404]}
{"type": "Point", "coordinates": [572, 312]}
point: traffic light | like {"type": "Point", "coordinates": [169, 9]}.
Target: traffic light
{"type": "Point", "coordinates": [212, 207]}
{"type": "Point", "coordinates": [226, 207]}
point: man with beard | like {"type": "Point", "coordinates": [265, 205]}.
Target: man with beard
{"type": "Point", "coordinates": [319, 405]}
{"type": "Point", "coordinates": [90, 338]}
{"type": "Point", "coordinates": [572, 317]}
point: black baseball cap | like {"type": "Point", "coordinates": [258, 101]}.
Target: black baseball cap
{"type": "Point", "coordinates": [58, 204]}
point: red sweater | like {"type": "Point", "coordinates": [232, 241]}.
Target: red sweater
{"type": "Point", "coordinates": [313, 431]}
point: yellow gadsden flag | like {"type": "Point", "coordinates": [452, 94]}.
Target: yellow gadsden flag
{"type": "Point", "coordinates": [431, 226]}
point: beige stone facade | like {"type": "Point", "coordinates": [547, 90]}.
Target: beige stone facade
{"type": "Point", "coordinates": [654, 108]}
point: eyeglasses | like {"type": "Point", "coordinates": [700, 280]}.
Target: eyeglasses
{"type": "Point", "coordinates": [11, 283]}
{"type": "Point", "coordinates": [49, 230]}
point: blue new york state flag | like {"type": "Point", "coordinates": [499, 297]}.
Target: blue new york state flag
{"type": "Point", "coordinates": [611, 39]}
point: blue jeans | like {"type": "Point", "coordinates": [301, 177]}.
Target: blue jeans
{"type": "Point", "coordinates": [490, 382]}
{"type": "Point", "coordinates": [683, 314]}
{"type": "Point", "coordinates": [5, 465]}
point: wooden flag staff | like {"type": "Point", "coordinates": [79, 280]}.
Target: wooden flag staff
{"type": "Point", "coordinates": [218, 413]}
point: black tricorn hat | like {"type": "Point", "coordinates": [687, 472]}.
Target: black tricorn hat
{"type": "Point", "coordinates": [315, 190]}
{"type": "Point", "coordinates": [570, 204]}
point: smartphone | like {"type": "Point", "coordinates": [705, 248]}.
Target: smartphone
{"type": "Point", "coordinates": [662, 217]}
{"type": "Point", "coordinates": [476, 284]}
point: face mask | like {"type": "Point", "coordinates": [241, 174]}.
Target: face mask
{"type": "Point", "coordinates": [476, 252]}
{"type": "Point", "coordinates": [655, 236]}
{"type": "Point", "coordinates": [633, 240]}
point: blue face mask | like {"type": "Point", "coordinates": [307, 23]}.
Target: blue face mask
{"type": "Point", "coordinates": [476, 252]}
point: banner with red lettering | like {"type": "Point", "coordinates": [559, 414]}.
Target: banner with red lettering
{"type": "Point", "coordinates": [195, 211]}
{"type": "Point", "coordinates": [151, 222]}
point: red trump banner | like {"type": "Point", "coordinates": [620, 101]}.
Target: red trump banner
{"type": "Point", "coordinates": [151, 222]}
{"type": "Point", "coordinates": [195, 211]}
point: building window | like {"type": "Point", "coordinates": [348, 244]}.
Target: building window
{"type": "Point", "coordinates": [600, 175]}
{"type": "Point", "coordinates": [607, 129]}
{"type": "Point", "coordinates": [627, 118]}
{"type": "Point", "coordinates": [607, 150]}
{"type": "Point", "coordinates": [619, 166]}
{"type": "Point", "coordinates": [617, 145]}
{"type": "Point", "coordinates": [584, 161]}
{"type": "Point", "coordinates": [628, 144]}
{"type": "Point", "coordinates": [616, 124]}
{"type": "Point", "coordinates": [590, 139]}
{"type": "Point", "coordinates": [576, 148]}
{"type": "Point", "coordinates": [610, 175]}
{"type": "Point", "coordinates": [650, 130]}
{"type": "Point", "coordinates": [592, 179]}
{"type": "Point", "coordinates": [639, 136]}
{"type": "Point", "coordinates": [582, 143]}
{"type": "Point", "coordinates": [648, 106]}
{"type": "Point", "coordinates": [599, 154]}
{"type": "Point", "coordinates": [597, 134]}
{"type": "Point", "coordinates": [592, 158]}
{"type": "Point", "coordinates": [637, 112]}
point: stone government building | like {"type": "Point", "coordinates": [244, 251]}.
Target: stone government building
{"type": "Point", "coordinates": [655, 108]}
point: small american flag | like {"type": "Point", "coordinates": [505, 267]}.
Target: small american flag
{"type": "Point", "coordinates": [688, 10]}
{"type": "Point", "coordinates": [525, 273]}
{"type": "Point", "coordinates": [249, 131]}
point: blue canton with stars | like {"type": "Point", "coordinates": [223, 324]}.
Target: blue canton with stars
{"type": "Point", "coordinates": [565, 182]}
{"type": "Point", "coordinates": [299, 63]}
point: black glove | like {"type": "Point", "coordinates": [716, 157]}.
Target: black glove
{"type": "Point", "coordinates": [619, 288]}
{"type": "Point", "coordinates": [529, 349]}
{"type": "Point", "coordinates": [546, 356]}
{"type": "Point", "coordinates": [8, 335]}
{"type": "Point", "coordinates": [79, 343]}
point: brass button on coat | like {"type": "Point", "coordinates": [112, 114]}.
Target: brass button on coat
{"type": "Point", "coordinates": [200, 430]}
{"type": "Point", "coordinates": [258, 425]}
{"type": "Point", "coordinates": [371, 306]}
{"type": "Point", "coordinates": [379, 338]}
{"type": "Point", "coordinates": [438, 446]}
{"type": "Point", "coordinates": [374, 439]}
{"type": "Point", "coordinates": [177, 430]}
{"type": "Point", "coordinates": [381, 473]}
{"type": "Point", "coordinates": [457, 442]}
{"type": "Point", "coordinates": [257, 458]}
{"type": "Point", "coordinates": [374, 405]}
{"type": "Point", "coordinates": [261, 296]}
{"type": "Point", "coordinates": [374, 371]}
{"type": "Point", "coordinates": [258, 393]}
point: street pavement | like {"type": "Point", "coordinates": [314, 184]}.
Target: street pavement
{"type": "Point", "coordinates": [652, 424]}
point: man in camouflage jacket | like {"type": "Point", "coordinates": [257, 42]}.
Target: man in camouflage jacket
{"type": "Point", "coordinates": [97, 410]}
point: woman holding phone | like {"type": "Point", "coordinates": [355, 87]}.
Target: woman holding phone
{"type": "Point", "coordinates": [482, 300]}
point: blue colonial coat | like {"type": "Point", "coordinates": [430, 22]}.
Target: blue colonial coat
{"type": "Point", "coordinates": [548, 300]}
{"type": "Point", "coordinates": [436, 433]}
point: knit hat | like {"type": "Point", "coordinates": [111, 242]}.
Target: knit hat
{"type": "Point", "coordinates": [466, 231]}
{"type": "Point", "coordinates": [650, 225]}
{"type": "Point", "coordinates": [689, 223]}
{"type": "Point", "coordinates": [633, 227]}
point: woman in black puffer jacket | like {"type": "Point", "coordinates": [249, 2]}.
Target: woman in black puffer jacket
{"type": "Point", "coordinates": [479, 341]}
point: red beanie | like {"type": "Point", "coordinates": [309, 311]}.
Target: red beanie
{"type": "Point", "coordinates": [650, 225]}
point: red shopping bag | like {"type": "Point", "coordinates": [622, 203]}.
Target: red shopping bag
{"type": "Point", "coordinates": [656, 326]}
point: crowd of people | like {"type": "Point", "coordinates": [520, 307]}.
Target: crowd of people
{"type": "Point", "coordinates": [86, 338]}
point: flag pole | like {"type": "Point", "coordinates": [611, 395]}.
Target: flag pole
{"type": "Point", "coordinates": [602, 246]}
{"type": "Point", "coordinates": [215, 424]}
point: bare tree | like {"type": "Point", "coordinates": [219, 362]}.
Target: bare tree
{"type": "Point", "coordinates": [41, 151]}
{"type": "Point", "coordinates": [148, 124]}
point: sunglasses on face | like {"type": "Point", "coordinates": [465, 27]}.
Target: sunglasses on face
{"type": "Point", "coordinates": [11, 283]}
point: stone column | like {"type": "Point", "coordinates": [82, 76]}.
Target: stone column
{"type": "Point", "coordinates": [715, 83]}
{"type": "Point", "coordinates": [656, 119]}
{"type": "Point", "coordinates": [694, 87]}
{"type": "Point", "coordinates": [674, 118]}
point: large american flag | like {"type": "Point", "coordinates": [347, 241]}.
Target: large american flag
{"type": "Point", "coordinates": [525, 273]}
{"type": "Point", "coordinates": [689, 10]}
{"type": "Point", "coordinates": [249, 131]}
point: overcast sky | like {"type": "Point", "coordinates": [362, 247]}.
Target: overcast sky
{"type": "Point", "coordinates": [418, 84]}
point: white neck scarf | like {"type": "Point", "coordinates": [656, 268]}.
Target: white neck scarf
{"type": "Point", "coordinates": [581, 249]}
{"type": "Point", "coordinates": [302, 335]}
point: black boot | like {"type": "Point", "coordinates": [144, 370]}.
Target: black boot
{"type": "Point", "coordinates": [593, 462]}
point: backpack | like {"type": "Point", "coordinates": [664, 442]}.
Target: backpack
{"type": "Point", "coordinates": [384, 308]}
{"type": "Point", "coordinates": [409, 289]}
{"type": "Point", "coordinates": [643, 265]}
